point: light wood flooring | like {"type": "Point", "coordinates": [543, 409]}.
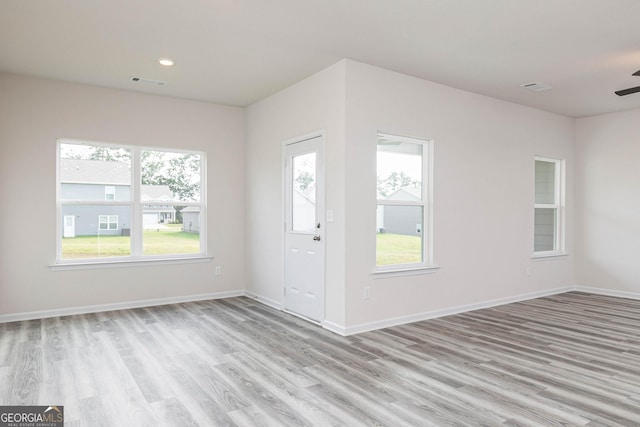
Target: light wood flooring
{"type": "Point", "coordinates": [570, 359]}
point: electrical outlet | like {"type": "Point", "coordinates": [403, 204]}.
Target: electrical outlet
{"type": "Point", "coordinates": [218, 270]}
{"type": "Point", "coordinates": [367, 292]}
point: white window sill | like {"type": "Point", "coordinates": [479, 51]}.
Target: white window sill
{"type": "Point", "coordinates": [549, 255]}
{"type": "Point", "coordinates": [89, 265]}
{"type": "Point", "coordinates": [382, 274]}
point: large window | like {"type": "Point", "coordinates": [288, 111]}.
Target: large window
{"type": "Point", "coordinates": [548, 208]}
{"type": "Point", "coordinates": [403, 235]}
{"type": "Point", "coordinates": [126, 202]}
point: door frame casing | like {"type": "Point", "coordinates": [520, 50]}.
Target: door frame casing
{"type": "Point", "coordinates": [320, 203]}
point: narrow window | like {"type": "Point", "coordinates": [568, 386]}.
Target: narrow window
{"type": "Point", "coordinates": [127, 201]}
{"type": "Point", "coordinates": [549, 207]}
{"type": "Point", "coordinates": [109, 192]}
{"type": "Point", "coordinates": [403, 235]}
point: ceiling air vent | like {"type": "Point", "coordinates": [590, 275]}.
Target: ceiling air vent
{"type": "Point", "coordinates": [536, 87]}
{"type": "Point", "coordinates": [148, 81]}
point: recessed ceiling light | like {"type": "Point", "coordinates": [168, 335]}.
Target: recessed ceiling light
{"type": "Point", "coordinates": [167, 62]}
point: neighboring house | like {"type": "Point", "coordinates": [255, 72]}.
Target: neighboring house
{"type": "Point", "coordinates": [191, 219]}
{"type": "Point", "coordinates": [406, 220]}
{"type": "Point", "coordinates": [92, 180]}
{"type": "Point", "coordinates": [153, 215]}
{"type": "Point", "coordinates": [304, 208]}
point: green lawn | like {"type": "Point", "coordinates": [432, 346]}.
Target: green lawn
{"type": "Point", "coordinates": [390, 249]}
{"type": "Point", "coordinates": [167, 240]}
{"type": "Point", "coordinates": [398, 249]}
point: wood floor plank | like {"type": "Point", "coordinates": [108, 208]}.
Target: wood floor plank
{"type": "Point", "coordinates": [26, 378]}
{"type": "Point", "coordinates": [297, 398]}
{"type": "Point", "coordinates": [224, 393]}
{"type": "Point", "coordinates": [93, 413]}
{"type": "Point", "coordinates": [171, 412]}
{"type": "Point", "coordinates": [252, 416]}
{"type": "Point", "coordinates": [261, 397]}
{"type": "Point", "coordinates": [571, 359]}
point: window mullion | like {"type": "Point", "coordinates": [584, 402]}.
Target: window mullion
{"type": "Point", "coordinates": [401, 202]}
{"type": "Point", "coordinates": [203, 205]}
{"type": "Point", "coordinates": [136, 206]}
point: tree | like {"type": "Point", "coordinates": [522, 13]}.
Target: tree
{"type": "Point", "coordinates": [179, 171]}
{"type": "Point", "coordinates": [107, 154]}
{"type": "Point", "coordinates": [95, 152]}
{"type": "Point", "coordinates": [395, 181]}
{"type": "Point", "coordinates": [304, 179]}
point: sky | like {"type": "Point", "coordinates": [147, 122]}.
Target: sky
{"type": "Point", "coordinates": [389, 162]}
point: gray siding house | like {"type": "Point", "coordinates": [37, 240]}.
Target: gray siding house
{"type": "Point", "coordinates": [191, 219]}
{"type": "Point", "coordinates": [405, 220]}
{"type": "Point", "coordinates": [93, 181]}
{"type": "Point", "coordinates": [152, 215]}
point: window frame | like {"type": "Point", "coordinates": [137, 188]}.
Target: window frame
{"type": "Point", "coordinates": [135, 204]}
{"type": "Point", "coordinates": [425, 202]}
{"type": "Point", "coordinates": [558, 205]}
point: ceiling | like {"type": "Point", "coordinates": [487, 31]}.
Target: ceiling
{"type": "Point", "coordinates": [236, 52]}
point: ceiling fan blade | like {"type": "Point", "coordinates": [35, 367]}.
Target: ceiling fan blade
{"type": "Point", "coordinates": [637, 73]}
{"type": "Point", "coordinates": [628, 91]}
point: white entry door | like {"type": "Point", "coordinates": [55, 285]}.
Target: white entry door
{"type": "Point", "coordinates": [69, 226]}
{"type": "Point", "coordinates": [304, 228]}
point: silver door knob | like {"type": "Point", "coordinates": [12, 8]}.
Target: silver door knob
{"type": "Point", "coordinates": [316, 238]}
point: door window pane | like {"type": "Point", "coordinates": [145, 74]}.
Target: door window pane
{"type": "Point", "coordinates": [303, 197]}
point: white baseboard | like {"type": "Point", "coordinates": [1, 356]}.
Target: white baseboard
{"type": "Point", "coordinates": [116, 306]}
{"type": "Point", "coordinates": [607, 292]}
{"type": "Point", "coordinates": [264, 300]}
{"type": "Point", "coordinates": [386, 323]}
{"type": "Point", "coordinates": [335, 328]}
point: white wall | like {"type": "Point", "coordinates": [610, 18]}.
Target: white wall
{"type": "Point", "coordinates": [316, 103]}
{"type": "Point", "coordinates": [484, 184]}
{"type": "Point", "coordinates": [33, 114]}
{"type": "Point", "coordinates": [608, 202]}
